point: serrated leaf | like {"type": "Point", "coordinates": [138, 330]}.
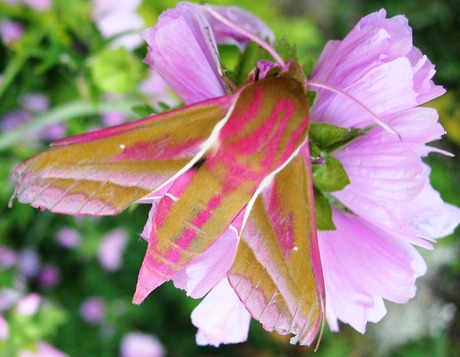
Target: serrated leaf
{"type": "Point", "coordinates": [323, 212]}
{"type": "Point", "coordinates": [286, 50]}
{"type": "Point", "coordinates": [330, 176]}
{"type": "Point", "coordinates": [330, 137]}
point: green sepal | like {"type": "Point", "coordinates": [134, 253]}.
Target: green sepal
{"type": "Point", "coordinates": [329, 138]}
{"type": "Point", "coordinates": [323, 212]}
{"type": "Point", "coordinates": [144, 110]}
{"type": "Point", "coordinates": [286, 50]}
{"type": "Point", "coordinates": [311, 97]}
{"type": "Point", "coordinates": [248, 61]}
{"type": "Point", "coordinates": [330, 175]}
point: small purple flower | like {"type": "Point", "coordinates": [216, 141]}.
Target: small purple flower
{"type": "Point", "coordinates": [35, 102]}
{"type": "Point", "coordinates": [111, 249]}
{"type": "Point", "coordinates": [68, 238]}
{"type": "Point", "coordinates": [8, 257]}
{"type": "Point", "coordinates": [29, 263]}
{"type": "Point", "coordinates": [137, 344]}
{"type": "Point", "coordinates": [93, 310]}
{"type": "Point", "coordinates": [49, 276]}
{"type": "Point", "coordinates": [10, 31]}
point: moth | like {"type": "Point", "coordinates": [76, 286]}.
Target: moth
{"type": "Point", "coordinates": [240, 160]}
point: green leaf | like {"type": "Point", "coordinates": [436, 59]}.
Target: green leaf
{"type": "Point", "coordinates": [323, 212]}
{"type": "Point", "coordinates": [328, 137]}
{"type": "Point", "coordinates": [330, 176]}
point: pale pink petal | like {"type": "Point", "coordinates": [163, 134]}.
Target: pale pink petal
{"type": "Point", "coordinates": [209, 268]}
{"type": "Point", "coordinates": [387, 175]}
{"type": "Point", "coordinates": [221, 317]}
{"type": "Point", "coordinates": [248, 21]}
{"type": "Point", "coordinates": [182, 49]}
{"type": "Point", "coordinates": [363, 265]}
{"type": "Point", "coordinates": [377, 64]}
{"type": "Point", "coordinates": [137, 344]}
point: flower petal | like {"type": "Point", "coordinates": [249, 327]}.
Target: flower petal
{"type": "Point", "coordinates": [224, 34]}
{"type": "Point", "coordinates": [221, 317]}
{"type": "Point", "coordinates": [209, 268]}
{"type": "Point", "coordinates": [377, 64]}
{"type": "Point", "coordinates": [363, 265]}
{"type": "Point", "coordinates": [184, 52]}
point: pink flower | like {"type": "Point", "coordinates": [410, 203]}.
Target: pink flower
{"type": "Point", "coordinates": [155, 88]}
{"type": "Point", "coordinates": [183, 52]}
{"type": "Point", "coordinates": [8, 257]}
{"type": "Point", "coordinates": [389, 191]}
{"type": "Point", "coordinates": [369, 256]}
{"type": "Point", "coordinates": [43, 349]}
{"type": "Point", "coordinates": [137, 344]}
{"type": "Point", "coordinates": [68, 238]}
{"type": "Point", "coordinates": [49, 276]}
{"type": "Point", "coordinates": [39, 5]}
{"type": "Point", "coordinates": [29, 304]}
{"type": "Point", "coordinates": [10, 31]}
{"type": "Point", "coordinates": [221, 317]}
{"type": "Point", "coordinates": [115, 17]}
{"type": "Point", "coordinates": [183, 49]}
{"type": "Point", "coordinates": [93, 310]}
{"type": "Point", "coordinates": [111, 249]}
{"type": "Point", "coordinates": [227, 35]}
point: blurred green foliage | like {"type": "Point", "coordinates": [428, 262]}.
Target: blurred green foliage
{"type": "Point", "coordinates": [63, 55]}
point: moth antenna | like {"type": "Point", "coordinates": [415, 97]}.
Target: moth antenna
{"type": "Point", "coordinates": [247, 34]}
{"type": "Point", "coordinates": [336, 90]}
